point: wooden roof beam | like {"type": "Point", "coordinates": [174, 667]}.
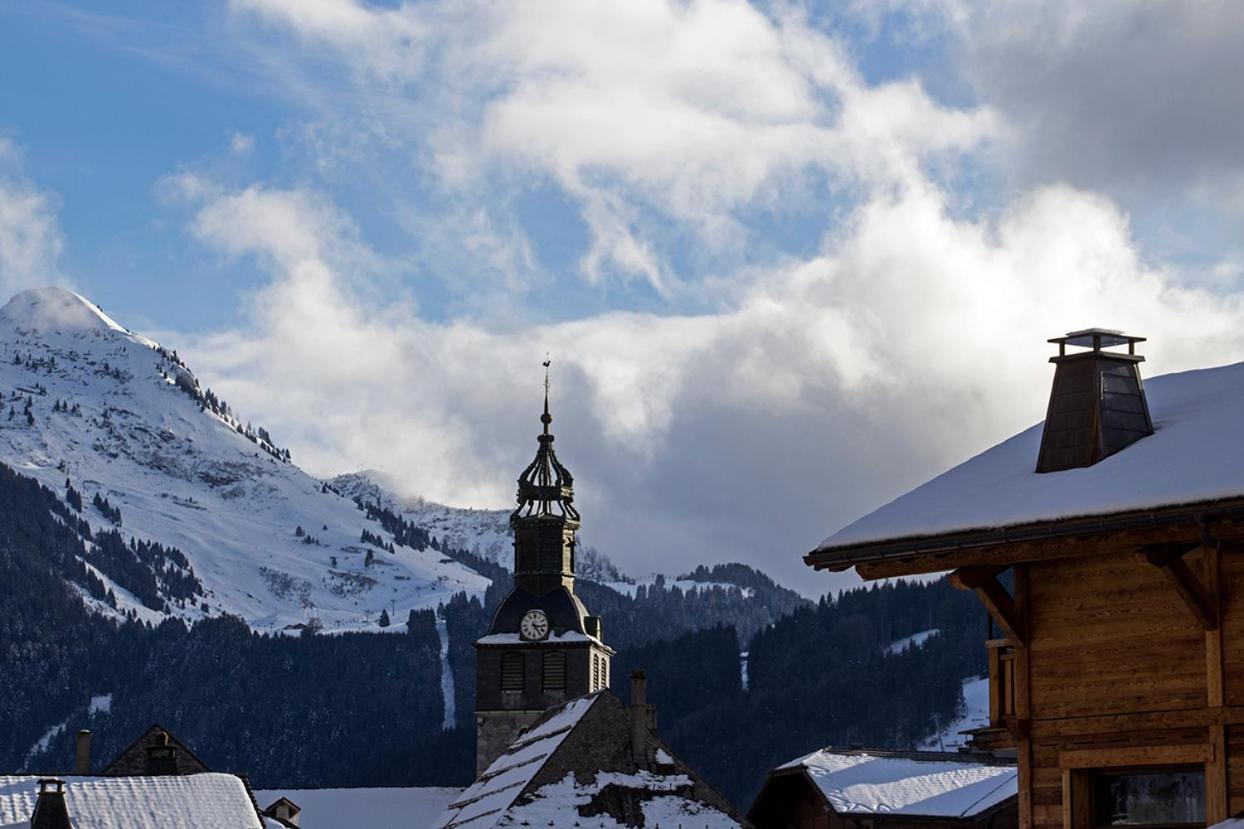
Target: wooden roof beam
{"type": "Point", "coordinates": [1169, 558]}
{"type": "Point", "coordinates": [984, 582]}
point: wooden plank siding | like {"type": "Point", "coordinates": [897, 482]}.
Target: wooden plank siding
{"type": "Point", "coordinates": [1120, 673]}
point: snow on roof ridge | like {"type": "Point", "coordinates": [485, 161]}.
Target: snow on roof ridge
{"type": "Point", "coordinates": [900, 783]}
{"type": "Point", "coordinates": [1000, 488]}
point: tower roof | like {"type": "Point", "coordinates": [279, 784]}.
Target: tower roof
{"type": "Point", "coordinates": [546, 487]}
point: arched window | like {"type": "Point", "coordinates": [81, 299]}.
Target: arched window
{"type": "Point", "coordinates": [555, 671]}
{"type": "Point", "coordinates": [512, 670]}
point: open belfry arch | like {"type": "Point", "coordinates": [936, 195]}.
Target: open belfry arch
{"type": "Point", "coordinates": [1107, 545]}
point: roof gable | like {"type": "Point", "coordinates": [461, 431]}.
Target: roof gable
{"type": "Point", "coordinates": [133, 759]}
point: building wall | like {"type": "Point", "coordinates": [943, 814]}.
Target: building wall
{"type": "Point", "coordinates": [501, 716]}
{"type": "Point", "coordinates": [1119, 673]}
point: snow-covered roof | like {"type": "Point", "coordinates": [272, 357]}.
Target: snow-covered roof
{"type": "Point", "coordinates": [860, 782]}
{"type": "Point", "coordinates": [1195, 455]}
{"type": "Point", "coordinates": [374, 808]}
{"type": "Point", "coordinates": [575, 767]}
{"type": "Point", "coordinates": [664, 805]}
{"type": "Point", "coordinates": [484, 802]}
{"type": "Point", "coordinates": [553, 639]}
{"type": "Point", "coordinates": [196, 801]}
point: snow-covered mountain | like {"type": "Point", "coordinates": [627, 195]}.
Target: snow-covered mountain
{"type": "Point", "coordinates": [481, 532]}
{"type": "Point", "coordinates": [95, 411]}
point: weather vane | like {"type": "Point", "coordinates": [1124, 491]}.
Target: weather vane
{"type": "Point", "coordinates": [546, 364]}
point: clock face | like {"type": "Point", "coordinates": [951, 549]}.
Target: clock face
{"type": "Point", "coordinates": [535, 625]}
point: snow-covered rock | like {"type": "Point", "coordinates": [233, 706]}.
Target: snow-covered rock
{"type": "Point", "coordinates": [118, 416]}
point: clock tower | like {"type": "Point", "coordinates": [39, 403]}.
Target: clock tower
{"type": "Point", "coordinates": [542, 647]}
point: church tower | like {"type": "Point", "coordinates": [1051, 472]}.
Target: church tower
{"type": "Point", "coordinates": [542, 647]}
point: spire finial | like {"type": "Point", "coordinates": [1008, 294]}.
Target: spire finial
{"type": "Point", "coordinates": [546, 418]}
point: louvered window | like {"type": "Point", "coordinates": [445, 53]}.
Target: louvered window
{"type": "Point", "coordinates": [595, 672]}
{"type": "Point", "coordinates": [555, 672]}
{"type": "Point", "coordinates": [511, 672]}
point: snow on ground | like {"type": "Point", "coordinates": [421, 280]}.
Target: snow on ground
{"type": "Point", "coordinates": [1191, 457]}
{"type": "Point", "coordinates": [101, 704]}
{"type": "Point", "coordinates": [975, 714]}
{"type": "Point", "coordinates": [864, 783]}
{"type": "Point", "coordinates": [185, 477]}
{"type": "Point", "coordinates": [913, 641]}
{"type": "Point", "coordinates": [413, 808]}
{"type": "Point", "coordinates": [447, 676]}
{"type": "Point", "coordinates": [41, 745]}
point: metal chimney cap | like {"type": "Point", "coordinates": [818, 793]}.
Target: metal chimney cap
{"type": "Point", "coordinates": [1096, 338]}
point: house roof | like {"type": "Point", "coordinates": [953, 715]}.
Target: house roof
{"type": "Point", "coordinates": [133, 758]}
{"type": "Point", "coordinates": [200, 801]}
{"type": "Point", "coordinates": [1193, 459]}
{"type": "Point", "coordinates": [483, 803]}
{"type": "Point", "coordinates": [922, 784]}
{"type": "Point", "coordinates": [575, 766]}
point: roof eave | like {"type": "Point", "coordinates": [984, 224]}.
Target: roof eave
{"type": "Point", "coordinates": [1192, 515]}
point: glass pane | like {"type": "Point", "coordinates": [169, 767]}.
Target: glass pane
{"type": "Point", "coordinates": [1150, 798]}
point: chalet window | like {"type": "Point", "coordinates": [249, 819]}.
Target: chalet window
{"type": "Point", "coordinates": [512, 670]}
{"type": "Point", "coordinates": [1159, 797]}
{"type": "Point", "coordinates": [555, 672]}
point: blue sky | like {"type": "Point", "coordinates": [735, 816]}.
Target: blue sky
{"type": "Point", "coordinates": [765, 244]}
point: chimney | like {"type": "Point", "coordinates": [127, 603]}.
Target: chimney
{"type": "Point", "coordinates": [50, 809]}
{"type": "Point", "coordinates": [161, 756]}
{"type": "Point", "coordinates": [82, 758]}
{"type": "Point", "coordinates": [639, 718]}
{"type": "Point", "coordinates": [1097, 403]}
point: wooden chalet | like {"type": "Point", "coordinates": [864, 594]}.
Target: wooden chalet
{"type": "Point", "coordinates": [1107, 545]}
{"type": "Point", "coordinates": [867, 789]}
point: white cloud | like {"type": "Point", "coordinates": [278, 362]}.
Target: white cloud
{"type": "Point", "coordinates": [30, 237]}
{"type": "Point", "coordinates": [914, 340]}
{"type": "Point", "coordinates": [688, 112]}
{"type": "Point", "coordinates": [817, 386]}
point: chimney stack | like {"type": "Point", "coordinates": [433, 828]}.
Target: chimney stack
{"type": "Point", "coordinates": [1097, 403]}
{"type": "Point", "coordinates": [50, 809]}
{"type": "Point", "coordinates": [82, 758]}
{"type": "Point", "coordinates": [639, 718]}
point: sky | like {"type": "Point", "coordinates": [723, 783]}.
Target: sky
{"type": "Point", "coordinates": [788, 260]}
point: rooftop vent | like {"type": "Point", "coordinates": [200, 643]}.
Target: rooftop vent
{"type": "Point", "coordinates": [1097, 403]}
{"type": "Point", "coordinates": [50, 809]}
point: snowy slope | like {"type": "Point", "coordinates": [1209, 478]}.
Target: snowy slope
{"type": "Point", "coordinates": [484, 532]}
{"type": "Point", "coordinates": [116, 415]}
{"type": "Point", "coordinates": [975, 714]}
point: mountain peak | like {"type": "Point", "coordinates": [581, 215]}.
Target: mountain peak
{"type": "Point", "coordinates": [56, 308]}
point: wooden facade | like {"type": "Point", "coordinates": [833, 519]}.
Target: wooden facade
{"type": "Point", "coordinates": [1122, 657]}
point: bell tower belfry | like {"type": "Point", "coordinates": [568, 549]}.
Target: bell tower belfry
{"type": "Point", "coordinates": [542, 647]}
